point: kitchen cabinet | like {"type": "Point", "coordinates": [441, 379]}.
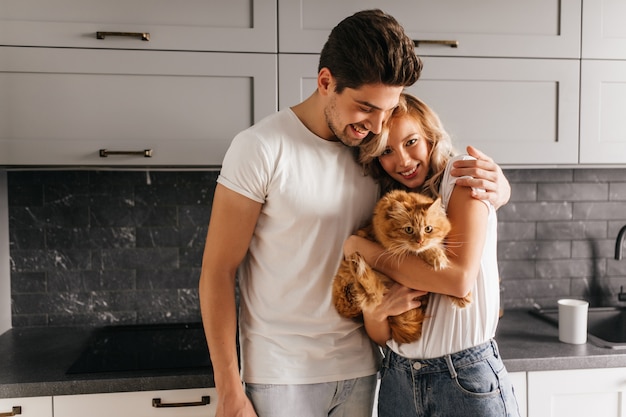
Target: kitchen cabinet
{"type": "Point", "coordinates": [602, 104]}
{"type": "Point", "coordinates": [538, 28]}
{"type": "Point", "coordinates": [63, 106]}
{"type": "Point", "coordinates": [26, 407]}
{"type": "Point", "coordinates": [564, 109]}
{"type": "Point", "coordinates": [517, 111]}
{"type": "Point", "coordinates": [515, 85]}
{"type": "Point", "coordinates": [603, 83]}
{"type": "Point", "coordinates": [170, 403]}
{"type": "Point", "coordinates": [603, 29]}
{"type": "Point", "coordinates": [573, 393]}
{"type": "Point", "coordinates": [519, 385]}
{"type": "Point", "coordinates": [206, 25]}
{"type": "Point", "coordinates": [172, 91]}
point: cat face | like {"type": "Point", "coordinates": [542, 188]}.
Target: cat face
{"type": "Point", "coordinates": [406, 222]}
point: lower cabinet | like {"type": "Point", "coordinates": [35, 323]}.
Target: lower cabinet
{"type": "Point", "coordinates": [577, 393]}
{"type": "Point", "coordinates": [26, 407]}
{"type": "Point", "coordinates": [519, 385]}
{"type": "Point", "coordinates": [170, 403]}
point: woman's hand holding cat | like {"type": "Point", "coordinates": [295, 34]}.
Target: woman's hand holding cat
{"type": "Point", "coordinates": [398, 300]}
{"type": "Point", "coordinates": [486, 175]}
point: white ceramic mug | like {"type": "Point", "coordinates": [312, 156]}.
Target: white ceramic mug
{"type": "Point", "coordinates": [573, 321]}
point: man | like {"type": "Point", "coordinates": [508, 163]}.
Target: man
{"type": "Point", "coordinates": [288, 195]}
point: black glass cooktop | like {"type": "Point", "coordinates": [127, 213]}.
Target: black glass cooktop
{"type": "Point", "coordinates": [144, 348]}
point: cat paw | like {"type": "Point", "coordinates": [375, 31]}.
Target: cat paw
{"type": "Point", "coordinates": [358, 267]}
{"type": "Point", "coordinates": [462, 302]}
{"type": "Point", "coordinates": [439, 264]}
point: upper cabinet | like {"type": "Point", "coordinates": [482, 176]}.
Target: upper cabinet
{"type": "Point", "coordinates": [132, 82]}
{"type": "Point", "coordinates": [154, 82]}
{"type": "Point", "coordinates": [517, 111]}
{"type": "Point", "coordinates": [604, 31]}
{"type": "Point", "coordinates": [494, 28]}
{"type": "Point", "coordinates": [198, 25]}
{"type": "Point", "coordinates": [512, 78]}
{"type": "Point", "coordinates": [603, 83]}
{"type": "Point", "coordinates": [122, 107]}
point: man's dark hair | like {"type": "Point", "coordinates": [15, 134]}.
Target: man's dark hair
{"type": "Point", "coordinates": [370, 47]}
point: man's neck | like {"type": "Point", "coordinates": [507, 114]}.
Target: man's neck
{"type": "Point", "coordinates": [311, 114]}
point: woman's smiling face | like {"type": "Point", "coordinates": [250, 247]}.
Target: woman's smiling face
{"type": "Point", "coordinates": [407, 155]}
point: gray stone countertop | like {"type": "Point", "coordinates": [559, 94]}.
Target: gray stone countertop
{"type": "Point", "coordinates": [528, 343]}
{"type": "Point", "coordinates": [33, 361]}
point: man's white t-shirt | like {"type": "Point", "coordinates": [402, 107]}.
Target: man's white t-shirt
{"type": "Point", "coordinates": [314, 196]}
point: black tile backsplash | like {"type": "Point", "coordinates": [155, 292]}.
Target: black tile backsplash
{"type": "Point", "coordinates": [106, 247]}
{"type": "Point", "coordinates": [124, 247]}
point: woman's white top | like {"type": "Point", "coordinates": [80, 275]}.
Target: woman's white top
{"type": "Point", "coordinates": [448, 328]}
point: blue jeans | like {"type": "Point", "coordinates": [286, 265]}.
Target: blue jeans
{"type": "Point", "coordinates": [473, 382]}
{"type": "Point", "coordinates": [349, 398]}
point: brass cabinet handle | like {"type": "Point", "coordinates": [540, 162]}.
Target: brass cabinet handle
{"type": "Point", "coordinates": [146, 153]}
{"type": "Point", "coordinates": [451, 44]}
{"type": "Point", "coordinates": [15, 412]}
{"type": "Point", "coordinates": [206, 400]}
{"type": "Point", "coordinates": [144, 36]}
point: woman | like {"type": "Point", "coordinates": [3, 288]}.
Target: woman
{"type": "Point", "coordinates": [454, 368]}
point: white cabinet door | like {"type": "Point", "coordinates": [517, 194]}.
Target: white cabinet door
{"type": "Point", "coordinates": [203, 25]}
{"type": "Point", "coordinates": [26, 407]}
{"type": "Point", "coordinates": [519, 385]}
{"type": "Point", "coordinates": [577, 393]}
{"type": "Point", "coordinates": [604, 31]}
{"type": "Point", "coordinates": [520, 112]}
{"type": "Point", "coordinates": [174, 403]}
{"type": "Point", "coordinates": [536, 28]}
{"type": "Point", "coordinates": [602, 104]}
{"type": "Point", "coordinates": [62, 106]}
{"type": "Point", "coordinates": [297, 78]}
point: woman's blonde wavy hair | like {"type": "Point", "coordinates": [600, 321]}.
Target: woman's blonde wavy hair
{"type": "Point", "coordinates": [441, 149]}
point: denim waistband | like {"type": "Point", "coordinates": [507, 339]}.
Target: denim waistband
{"type": "Point", "coordinates": [443, 363]}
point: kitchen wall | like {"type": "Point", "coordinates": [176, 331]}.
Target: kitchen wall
{"type": "Point", "coordinates": [121, 247]}
{"type": "Point", "coordinates": [557, 236]}
{"type": "Point", "coordinates": [106, 247]}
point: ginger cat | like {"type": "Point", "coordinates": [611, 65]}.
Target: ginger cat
{"type": "Point", "coordinates": [403, 223]}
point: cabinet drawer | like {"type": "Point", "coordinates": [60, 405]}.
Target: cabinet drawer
{"type": "Point", "coordinates": [174, 403]}
{"type": "Point", "coordinates": [519, 112]}
{"type": "Point", "coordinates": [61, 106]}
{"type": "Point", "coordinates": [200, 25]}
{"type": "Point", "coordinates": [27, 407]}
{"type": "Point", "coordinates": [538, 28]}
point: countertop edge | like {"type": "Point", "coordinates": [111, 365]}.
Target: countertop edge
{"type": "Point", "coordinates": [97, 386]}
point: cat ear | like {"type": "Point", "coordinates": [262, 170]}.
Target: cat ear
{"type": "Point", "coordinates": [438, 205]}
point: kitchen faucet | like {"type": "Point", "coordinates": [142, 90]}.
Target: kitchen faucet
{"type": "Point", "coordinates": [618, 255]}
{"type": "Point", "coordinates": [618, 243]}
